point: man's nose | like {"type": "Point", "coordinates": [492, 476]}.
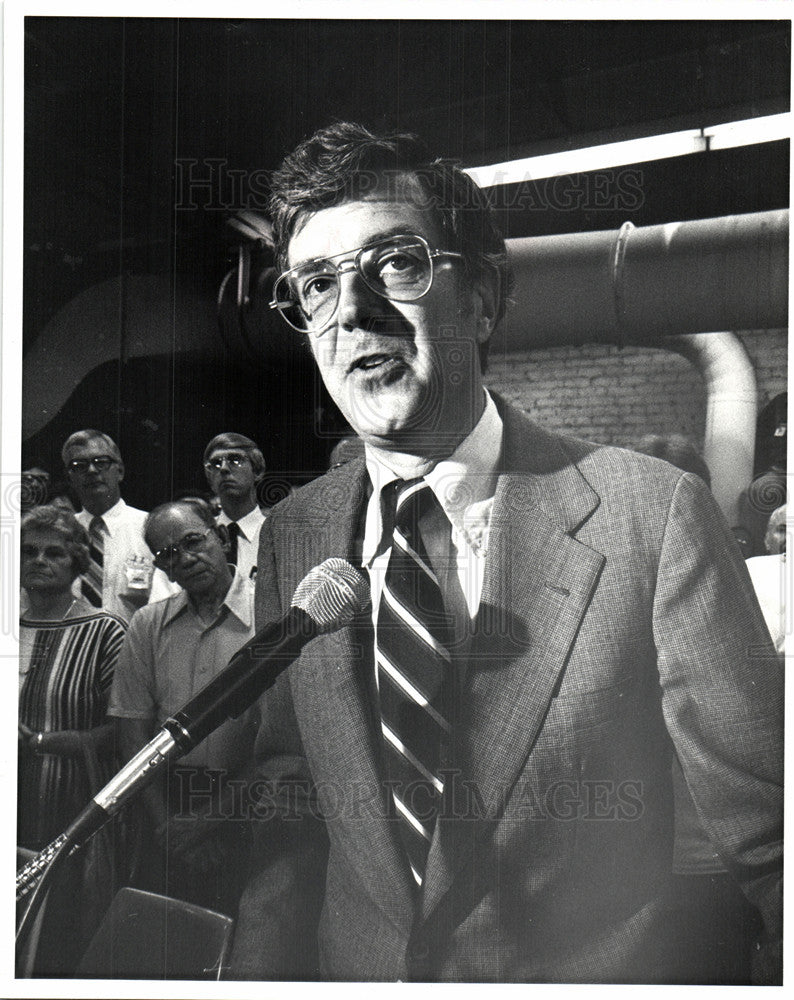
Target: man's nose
{"type": "Point", "coordinates": [357, 302]}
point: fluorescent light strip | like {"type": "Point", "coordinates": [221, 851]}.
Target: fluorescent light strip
{"type": "Point", "coordinates": [617, 154]}
{"type": "Point", "coordinates": [746, 133]}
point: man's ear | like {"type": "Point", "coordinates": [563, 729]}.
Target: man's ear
{"type": "Point", "coordinates": [121, 471]}
{"type": "Point", "coordinates": [486, 295]}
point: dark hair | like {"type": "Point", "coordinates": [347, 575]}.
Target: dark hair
{"type": "Point", "coordinates": [74, 535]}
{"type": "Point", "coordinates": [676, 449]}
{"type": "Point", "coordinates": [199, 507]}
{"type": "Point", "coordinates": [230, 439]}
{"type": "Point", "coordinates": [345, 161]}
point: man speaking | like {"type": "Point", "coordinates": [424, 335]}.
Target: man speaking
{"type": "Point", "coordinates": [473, 781]}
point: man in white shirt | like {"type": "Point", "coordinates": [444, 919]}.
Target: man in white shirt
{"type": "Point", "coordinates": [122, 577]}
{"type": "Point", "coordinates": [175, 648]}
{"type": "Point", "coordinates": [234, 466]}
{"type": "Point", "coordinates": [768, 574]}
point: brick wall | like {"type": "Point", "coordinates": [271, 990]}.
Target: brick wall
{"type": "Point", "coordinates": [615, 395]}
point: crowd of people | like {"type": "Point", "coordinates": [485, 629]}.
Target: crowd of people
{"type": "Point", "coordinates": [555, 659]}
{"type": "Point", "coordinates": [124, 616]}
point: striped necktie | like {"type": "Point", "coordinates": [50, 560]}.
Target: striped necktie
{"type": "Point", "coordinates": [91, 581]}
{"type": "Point", "coordinates": [414, 670]}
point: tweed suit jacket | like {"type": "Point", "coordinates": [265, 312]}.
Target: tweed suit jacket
{"type": "Point", "coordinates": [616, 623]}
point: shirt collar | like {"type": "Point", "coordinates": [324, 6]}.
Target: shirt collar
{"type": "Point", "coordinates": [238, 601]}
{"type": "Point", "coordinates": [109, 517]}
{"type": "Point", "coordinates": [248, 524]}
{"type": "Point", "coordinates": [466, 478]}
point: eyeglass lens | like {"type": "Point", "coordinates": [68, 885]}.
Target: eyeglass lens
{"type": "Point", "coordinates": [48, 551]}
{"type": "Point", "coordinates": [191, 544]}
{"type": "Point", "coordinates": [233, 461]}
{"type": "Point", "coordinates": [102, 462]}
{"type": "Point", "coordinates": [398, 268]}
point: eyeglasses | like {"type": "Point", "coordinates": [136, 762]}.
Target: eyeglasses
{"type": "Point", "coordinates": [398, 268]}
{"type": "Point", "coordinates": [191, 544]}
{"type": "Point", "coordinates": [49, 552]}
{"type": "Point", "coordinates": [234, 460]}
{"type": "Point", "coordinates": [100, 462]}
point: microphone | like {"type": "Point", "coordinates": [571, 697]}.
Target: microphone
{"type": "Point", "coordinates": [327, 598]}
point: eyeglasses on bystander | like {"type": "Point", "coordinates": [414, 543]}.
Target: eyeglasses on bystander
{"type": "Point", "coordinates": [191, 544]}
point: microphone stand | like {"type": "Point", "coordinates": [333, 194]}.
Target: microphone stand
{"type": "Point", "coordinates": [36, 876]}
{"type": "Point", "coordinates": [252, 670]}
{"type": "Point", "coordinates": [331, 595]}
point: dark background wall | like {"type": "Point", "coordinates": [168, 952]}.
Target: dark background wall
{"type": "Point", "coordinates": [143, 136]}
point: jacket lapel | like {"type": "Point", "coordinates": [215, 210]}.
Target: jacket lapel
{"type": "Point", "coordinates": [538, 584]}
{"type": "Point", "coordinates": [343, 734]}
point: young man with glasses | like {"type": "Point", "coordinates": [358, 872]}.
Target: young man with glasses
{"type": "Point", "coordinates": [234, 467]}
{"type": "Point", "coordinates": [121, 577]}
{"type": "Point", "coordinates": [171, 651]}
{"type": "Point", "coordinates": [481, 763]}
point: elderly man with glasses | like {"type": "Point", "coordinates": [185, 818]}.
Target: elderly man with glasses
{"type": "Point", "coordinates": [121, 576]}
{"type": "Point", "coordinates": [171, 651]}
{"type": "Point", "coordinates": [476, 774]}
{"type": "Point", "coordinates": [234, 467]}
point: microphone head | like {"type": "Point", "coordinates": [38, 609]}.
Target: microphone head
{"type": "Point", "coordinates": [332, 594]}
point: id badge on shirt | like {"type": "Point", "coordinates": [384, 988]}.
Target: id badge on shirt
{"type": "Point", "coordinates": [138, 572]}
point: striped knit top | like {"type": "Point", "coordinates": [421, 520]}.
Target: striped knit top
{"type": "Point", "coordinates": [66, 669]}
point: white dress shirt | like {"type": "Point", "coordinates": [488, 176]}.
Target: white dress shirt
{"type": "Point", "coordinates": [129, 578]}
{"type": "Point", "coordinates": [169, 654]}
{"type": "Point", "coordinates": [464, 485]}
{"type": "Point", "coordinates": [247, 540]}
{"type": "Point", "coordinates": [768, 574]}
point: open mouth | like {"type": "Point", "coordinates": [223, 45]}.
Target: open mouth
{"type": "Point", "coordinates": [375, 362]}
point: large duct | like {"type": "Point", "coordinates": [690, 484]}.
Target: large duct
{"type": "Point", "coordinates": [665, 285]}
{"type": "Point", "coordinates": [626, 286]}
{"type": "Point", "coordinates": [640, 285]}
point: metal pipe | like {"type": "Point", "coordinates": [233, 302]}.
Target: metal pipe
{"type": "Point", "coordinates": [633, 285]}
{"type": "Point", "coordinates": [731, 412]}
{"type": "Point", "coordinates": [639, 285]}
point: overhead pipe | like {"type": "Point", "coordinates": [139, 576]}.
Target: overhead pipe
{"type": "Point", "coordinates": [633, 285]}
{"type": "Point", "coordinates": [663, 286]}
{"type": "Point", "coordinates": [640, 285]}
